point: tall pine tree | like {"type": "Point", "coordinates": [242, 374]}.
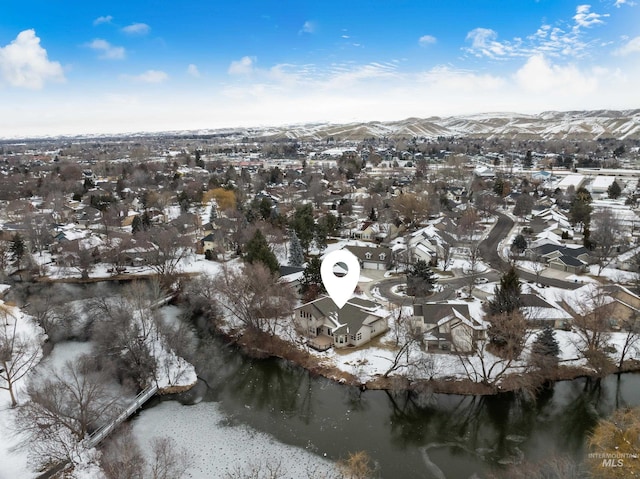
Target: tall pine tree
{"type": "Point", "coordinates": [296, 254]}
{"type": "Point", "coordinates": [507, 294]}
{"type": "Point", "coordinates": [545, 350]}
{"type": "Point", "coordinates": [311, 285]}
{"type": "Point", "coordinates": [258, 249]}
{"type": "Point", "coordinates": [420, 279]}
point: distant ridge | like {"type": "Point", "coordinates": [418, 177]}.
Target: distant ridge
{"type": "Point", "coordinates": [548, 125]}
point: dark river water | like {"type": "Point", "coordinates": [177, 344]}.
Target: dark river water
{"type": "Point", "coordinates": [409, 436]}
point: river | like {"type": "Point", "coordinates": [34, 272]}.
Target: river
{"type": "Point", "coordinates": [409, 436]}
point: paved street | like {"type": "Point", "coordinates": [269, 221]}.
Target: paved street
{"type": "Point", "coordinates": [489, 252]}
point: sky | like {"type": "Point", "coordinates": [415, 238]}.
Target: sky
{"type": "Point", "coordinates": [129, 66]}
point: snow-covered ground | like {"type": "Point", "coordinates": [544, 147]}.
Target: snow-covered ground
{"type": "Point", "coordinates": [14, 462]}
{"type": "Point", "coordinates": [217, 448]}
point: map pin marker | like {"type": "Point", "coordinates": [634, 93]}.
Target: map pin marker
{"type": "Point", "coordinates": [340, 289]}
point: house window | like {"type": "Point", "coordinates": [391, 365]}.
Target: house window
{"type": "Point", "coordinates": [353, 337]}
{"type": "Point", "coordinates": [359, 337]}
{"type": "Point", "coordinates": [382, 256]}
{"type": "Point", "coordinates": [367, 255]}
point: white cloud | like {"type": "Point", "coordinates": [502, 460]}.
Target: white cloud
{"type": "Point", "coordinates": [104, 19]}
{"type": "Point", "coordinates": [244, 66]}
{"type": "Point", "coordinates": [150, 76]}
{"type": "Point", "coordinates": [484, 43]}
{"type": "Point", "coordinates": [425, 40]}
{"type": "Point", "coordinates": [585, 18]}
{"type": "Point", "coordinates": [308, 27]}
{"type": "Point", "coordinates": [632, 46]}
{"type": "Point", "coordinates": [137, 29]}
{"type": "Point", "coordinates": [619, 3]}
{"type": "Point", "coordinates": [109, 52]}
{"type": "Point", "coordinates": [541, 76]}
{"type": "Point", "coordinates": [193, 70]}
{"type": "Point", "coordinates": [24, 63]}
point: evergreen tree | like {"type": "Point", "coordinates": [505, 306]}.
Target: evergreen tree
{"type": "Point", "coordinates": [507, 294]}
{"type": "Point", "coordinates": [372, 215]}
{"type": "Point", "coordinates": [614, 190]}
{"type": "Point", "coordinates": [213, 214]}
{"type": "Point", "coordinates": [519, 244]}
{"type": "Point", "coordinates": [311, 285]}
{"type": "Point", "coordinates": [321, 233]}
{"type": "Point", "coordinates": [420, 279]}
{"type": "Point", "coordinates": [17, 248]}
{"type": "Point", "coordinates": [545, 349]}
{"type": "Point", "coordinates": [304, 225]}
{"type": "Point", "coordinates": [580, 209]}
{"type": "Point", "coordinates": [259, 250]}
{"type": "Point", "coordinates": [528, 161]}
{"type": "Point", "coordinates": [296, 254]}
{"type": "Point", "coordinates": [136, 224]}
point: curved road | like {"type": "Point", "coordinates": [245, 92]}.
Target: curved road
{"type": "Point", "coordinates": [489, 252]}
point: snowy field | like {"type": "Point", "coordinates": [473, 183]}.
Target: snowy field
{"type": "Point", "coordinates": [218, 448]}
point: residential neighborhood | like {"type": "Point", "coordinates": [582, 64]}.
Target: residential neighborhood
{"type": "Point", "coordinates": [471, 255]}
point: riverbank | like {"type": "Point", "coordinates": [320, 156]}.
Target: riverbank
{"type": "Point", "coordinates": [262, 346]}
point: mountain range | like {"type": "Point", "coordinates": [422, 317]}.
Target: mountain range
{"type": "Point", "coordinates": [550, 125]}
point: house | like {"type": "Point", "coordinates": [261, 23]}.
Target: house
{"type": "Point", "coordinates": [543, 312]}
{"type": "Point", "coordinates": [370, 257]}
{"type": "Point", "coordinates": [616, 303]}
{"type": "Point", "coordinates": [450, 325]}
{"type": "Point", "coordinates": [564, 258]}
{"type": "Point", "coordinates": [426, 244]}
{"type": "Point", "coordinates": [325, 325]}
{"type": "Point", "coordinates": [208, 243]}
{"type": "Point", "coordinates": [291, 275]}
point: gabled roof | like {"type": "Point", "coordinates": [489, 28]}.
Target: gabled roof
{"type": "Point", "coordinates": [569, 260]}
{"type": "Point", "coordinates": [361, 253]}
{"type": "Point", "coordinates": [353, 315]}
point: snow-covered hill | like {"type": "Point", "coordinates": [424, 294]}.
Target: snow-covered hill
{"type": "Point", "coordinates": [578, 125]}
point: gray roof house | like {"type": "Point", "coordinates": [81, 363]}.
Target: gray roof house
{"type": "Point", "coordinates": [324, 325]}
{"type": "Point", "coordinates": [449, 325]}
{"type": "Point", "coordinates": [371, 258]}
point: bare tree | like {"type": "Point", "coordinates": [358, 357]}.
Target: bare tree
{"type": "Point", "coordinates": [485, 365]}
{"type": "Point", "coordinates": [124, 337]}
{"type": "Point", "coordinates": [64, 407]}
{"type": "Point", "coordinates": [168, 249]}
{"type": "Point", "coordinates": [254, 298]}
{"type": "Point", "coordinates": [445, 262]}
{"type": "Point", "coordinates": [121, 456]}
{"type": "Point", "coordinates": [79, 255]}
{"type": "Point", "coordinates": [270, 469]}
{"type": "Point", "coordinates": [632, 329]}
{"type": "Point", "coordinates": [411, 207]}
{"type": "Point", "coordinates": [605, 237]}
{"type": "Point", "coordinates": [410, 355]}
{"type": "Point", "coordinates": [18, 353]}
{"type": "Point", "coordinates": [591, 324]}
{"type": "Point", "coordinates": [474, 258]}
{"type": "Point", "coordinates": [168, 462]}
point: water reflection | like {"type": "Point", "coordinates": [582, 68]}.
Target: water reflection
{"type": "Point", "coordinates": [412, 435]}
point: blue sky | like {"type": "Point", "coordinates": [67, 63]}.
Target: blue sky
{"type": "Point", "coordinates": [108, 67]}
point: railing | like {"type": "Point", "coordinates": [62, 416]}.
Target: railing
{"type": "Point", "coordinates": [102, 432]}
